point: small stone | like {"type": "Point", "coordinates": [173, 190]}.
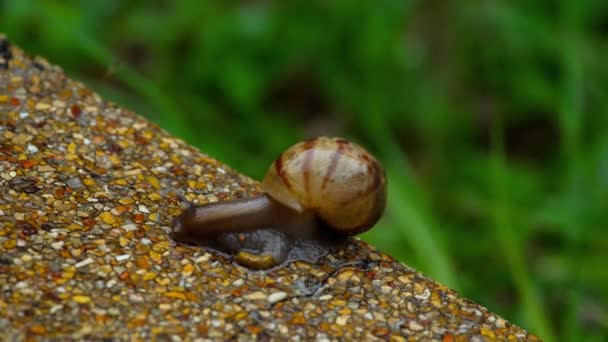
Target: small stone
{"type": "Point", "coordinates": [149, 276]}
{"type": "Point", "coordinates": [28, 163]}
{"type": "Point", "coordinates": [46, 168]}
{"type": "Point", "coordinates": [175, 294]}
{"type": "Point", "coordinates": [57, 245]}
{"type": "Point", "coordinates": [55, 266]}
{"type": "Point", "coordinates": [138, 218]}
{"type": "Point", "coordinates": [426, 293]}
{"type": "Point", "coordinates": [89, 181]}
{"type": "Point", "coordinates": [10, 244]}
{"type": "Point", "coordinates": [154, 182]}
{"type": "Point", "coordinates": [203, 258]}
{"type": "Point", "coordinates": [121, 258]}
{"type": "Point", "coordinates": [129, 227]}
{"type": "Point", "coordinates": [23, 184]}
{"type": "Point", "coordinates": [84, 263]}
{"type": "Point", "coordinates": [156, 257]}
{"type": "Point", "coordinates": [298, 318]}
{"type": "Point", "coordinates": [277, 297]}
{"type": "Point", "coordinates": [32, 148]}
{"type": "Point", "coordinates": [386, 289]}
{"type": "Point", "coordinates": [342, 320]}
{"type": "Point", "coordinates": [188, 269]}
{"type": "Point", "coordinates": [415, 326]}
{"type": "Point", "coordinates": [165, 307]}
{"type": "Point", "coordinates": [74, 183]}
{"type": "Point", "coordinates": [126, 201]}
{"type": "Point", "coordinates": [82, 299]}
{"type": "Point", "coordinates": [136, 298]}
{"type": "Point", "coordinates": [42, 106]}
{"type": "Point", "coordinates": [55, 308]}
{"type": "Point", "coordinates": [256, 295]}
{"type": "Point", "coordinates": [72, 147]}
{"type": "Point", "coordinates": [107, 217]}
{"type": "Point", "coordinates": [37, 329]}
{"type": "Point", "coordinates": [404, 279]}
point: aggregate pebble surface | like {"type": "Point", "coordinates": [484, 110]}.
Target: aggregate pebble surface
{"type": "Point", "coordinates": [87, 199]}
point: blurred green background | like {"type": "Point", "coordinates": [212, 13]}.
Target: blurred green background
{"type": "Point", "coordinates": [491, 118]}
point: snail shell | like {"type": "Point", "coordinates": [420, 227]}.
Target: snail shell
{"type": "Point", "coordinates": [336, 179]}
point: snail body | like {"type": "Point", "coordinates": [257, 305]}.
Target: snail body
{"type": "Point", "coordinates": [316, 194]}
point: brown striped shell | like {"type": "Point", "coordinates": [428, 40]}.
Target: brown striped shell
{"type": "Point", "coordinates": [338, 180]}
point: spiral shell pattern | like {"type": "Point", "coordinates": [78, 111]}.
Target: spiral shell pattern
{"type": "Point", "coordinates": [338, 180]}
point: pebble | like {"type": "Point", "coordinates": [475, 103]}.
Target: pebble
{"type": "Point", "coordinates": [188, 270]}
{"type": "Point", "coordinates": [277, 297]}
{"type": "Point", "coordinates": [256, 295]}
{"type": "Point", "coordinates": [129, 227]}
{"type": "Point", "coordinates": [121, 258]}
{"type": "Point", "coordinates": [415, 326]}
{"type": "Point", "coordinates": [82, 299]}
{"type": "Point", "coordinates": [203, 258]}
{"type": "Point", "coordinates": [136, 298]}
{"type": "Point", "coordinates": [46, 168]}
{"type": "Point", "coordinates": [107, 217]}
{"type": "Point", "coordinates": [84, 263]}
{"type": "Point", "coordinates": [74, 183]}
{"type": "Point", "coordinates": [32, 148]}
{"type": "Point", "coordinates": [21, 285]}
{"type": "Point", "coordinates": [55, 266]}
{"type": "Point", "coordinates": [342, 320]}
{"type": "Point", "coordinates": [55, 308]}
{"type": "Point", "coordinates": [57, 245]}
{"type": "Point", "coordinates": [426, 294]}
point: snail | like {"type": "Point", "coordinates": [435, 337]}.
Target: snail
{"type": "Point", "coordinates": [316, 194]}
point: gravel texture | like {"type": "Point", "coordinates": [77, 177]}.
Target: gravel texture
{"type": "Point", "coordinates": [86, 205]}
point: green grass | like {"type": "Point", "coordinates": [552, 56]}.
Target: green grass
{"type": "Point", "coordinates": [491, 119]}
